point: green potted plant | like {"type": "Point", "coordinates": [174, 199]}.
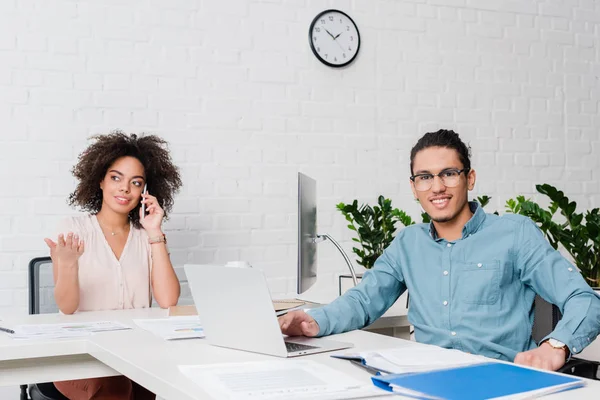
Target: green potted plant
{"type": "Point", "coordinates": [374, 226]}
{"type": "Point", "coordinates": [578, 233]}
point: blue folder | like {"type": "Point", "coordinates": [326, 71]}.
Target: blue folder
{"type": "Point", "coordinates": [475, 382]}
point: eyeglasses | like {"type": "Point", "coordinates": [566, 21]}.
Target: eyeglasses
{"type": "Point", "coordinates": [450, 177]}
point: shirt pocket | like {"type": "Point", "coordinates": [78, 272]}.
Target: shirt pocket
{"type": "Point", "coordinates": [478, 282]}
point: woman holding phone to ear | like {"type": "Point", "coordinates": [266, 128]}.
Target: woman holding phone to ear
{"type": "Point", "coordinates": [115, 257]}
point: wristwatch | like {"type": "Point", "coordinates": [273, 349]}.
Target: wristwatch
{"type": "Point", "coordinates": [557, 344]}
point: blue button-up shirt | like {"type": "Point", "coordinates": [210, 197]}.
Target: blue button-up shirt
{"type": "Point", "coordinates": [474, 294]}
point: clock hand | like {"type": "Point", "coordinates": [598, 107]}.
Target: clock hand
{"type": "Point", "coordinates": [339, 44]}
{"type": "Point", "coordinates": [338, 35]}
{"type": "Point", "coordinates": [341, 47]}
{"type": "Point", "coordinates": [330, 34]}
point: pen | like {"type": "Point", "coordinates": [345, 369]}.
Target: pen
{"type": "Point", "coordinates": [371, 370]}
{"type": "Point", "coordinates": [6, 330]}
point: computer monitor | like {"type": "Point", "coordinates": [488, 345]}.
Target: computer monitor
{"type": "Point", "coordinates": [307, 232]}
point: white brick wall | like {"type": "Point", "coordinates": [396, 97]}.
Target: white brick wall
{"type": "Point", "coordinates": [235, 89]}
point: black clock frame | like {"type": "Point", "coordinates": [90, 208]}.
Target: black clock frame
{"type": "Point", "coordinates": [312, 46]}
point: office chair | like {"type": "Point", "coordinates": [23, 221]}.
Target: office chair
{"type": "Point", "coordinates": [41, 300]}
{"type": "Point", "coordinates": [546, 317]}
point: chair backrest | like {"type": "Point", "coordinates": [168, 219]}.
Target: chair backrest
{"type": "Point", "coordinates": [41, 286]}
{"type": "Point", "coordinates": [546, 316]}
{"type": "Point", "coordinates": [41, 301]}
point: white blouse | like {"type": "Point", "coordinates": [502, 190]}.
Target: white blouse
{"type": "Point", "coordinates": [105, 282]}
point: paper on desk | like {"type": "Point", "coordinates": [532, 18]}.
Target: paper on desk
{"type": "Point", "coordinates": [277, 379]}
{"type": "Point", "coordinates": [184, 327]}
{"type": "Point", "coordinates": [415, 358]}
{"type": "Point", "coordinates": [65, 330]}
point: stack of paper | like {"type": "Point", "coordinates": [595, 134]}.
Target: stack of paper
{"type": "Point", "coordinates": [184, 327]}
{"type": "Point", "coordinates": [475, 382]}
{"type": "Point", "coordinates": [277, 379]}
{"type": "Point", "coordinates": [413, 358]}
{"type": "Point", "coordinates": [65, 330]}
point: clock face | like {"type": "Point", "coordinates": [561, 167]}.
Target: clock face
{"type": "Point", "coordinates": [334, 38]}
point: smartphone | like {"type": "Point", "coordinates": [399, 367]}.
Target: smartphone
{"type": "Point", "coordinates": [144, 204]}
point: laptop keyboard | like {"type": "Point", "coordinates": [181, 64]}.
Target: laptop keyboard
{"type": "Point", "coordinates": [293, 347]}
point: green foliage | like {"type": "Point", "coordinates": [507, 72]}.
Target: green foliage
{"type": "Point", "coordinates": [375, 226]}
{"type": "Point", "coordinates": [579, 234]}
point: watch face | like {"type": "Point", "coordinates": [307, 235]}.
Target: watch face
{"type": "Point", "coordinates": [334, 38]}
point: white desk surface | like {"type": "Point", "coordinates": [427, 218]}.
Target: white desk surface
{"type": "Point", "coordinates": [153, 362]}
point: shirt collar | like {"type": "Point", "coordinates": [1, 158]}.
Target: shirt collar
{"type": "Point", "coordinates": [470, 227]}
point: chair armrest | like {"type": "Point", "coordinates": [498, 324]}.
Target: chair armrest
{"type": "Point", "coordinates": [582, 368]}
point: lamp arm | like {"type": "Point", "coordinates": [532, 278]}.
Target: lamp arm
{"type": "Point", "coordinates": [325, 236]}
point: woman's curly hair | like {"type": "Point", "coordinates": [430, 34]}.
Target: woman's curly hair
{"type": "Point", "coordinates": [162, 176]}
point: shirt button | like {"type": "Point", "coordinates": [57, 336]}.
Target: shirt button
{"type": "Point", "coordinates": [449, 245]}
{"type": "Point", "coordinates": [570, 269]}
{"type": "Point", "coordinates": [574, 350]}
{"type": "Point", "coordinates": [445, 272]}
{"type": "Point", "coordinates": [445, 303]}
{"type": "Point", "coordinates": [454, 334]}
{"type": "Point", "coordinates": [479, 265]}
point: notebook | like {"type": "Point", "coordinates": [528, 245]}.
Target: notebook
{"type": "Point", "coordinates": [410, 357]}
{"type": "Point", "coordinates": [476, 382]}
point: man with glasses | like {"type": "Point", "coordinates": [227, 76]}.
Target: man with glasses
{"type": "Point", "coordinates": [472, 276]}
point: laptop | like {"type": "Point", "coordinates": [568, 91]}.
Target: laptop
{"type": "Point", "coordinates": [236, 311]}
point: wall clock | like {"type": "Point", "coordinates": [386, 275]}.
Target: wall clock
{"type": "Point", "coordinates": [334, 38]}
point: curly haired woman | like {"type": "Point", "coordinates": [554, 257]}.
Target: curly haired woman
{"type": "Point", "coordinates": [115, 257]}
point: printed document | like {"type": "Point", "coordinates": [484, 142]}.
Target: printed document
{"type": "Point", "coordinates": [65, 330]}
{"type": "Point", "coordinates": [290, 379]}
{"type": "Point", "coordinates": [173, 328]}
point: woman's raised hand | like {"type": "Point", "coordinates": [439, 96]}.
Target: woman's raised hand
{"type": "Point", "coordinates": [66, 251]}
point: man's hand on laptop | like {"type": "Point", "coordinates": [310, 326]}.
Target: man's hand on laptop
{"type": "Point", "coordinates": [298, 323]}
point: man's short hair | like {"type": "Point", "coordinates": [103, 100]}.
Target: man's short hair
{"type": "Point", "coordinates": [442, 138]}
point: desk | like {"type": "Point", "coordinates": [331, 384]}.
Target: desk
{"type": "Point", "coordinates": [153, 362]}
